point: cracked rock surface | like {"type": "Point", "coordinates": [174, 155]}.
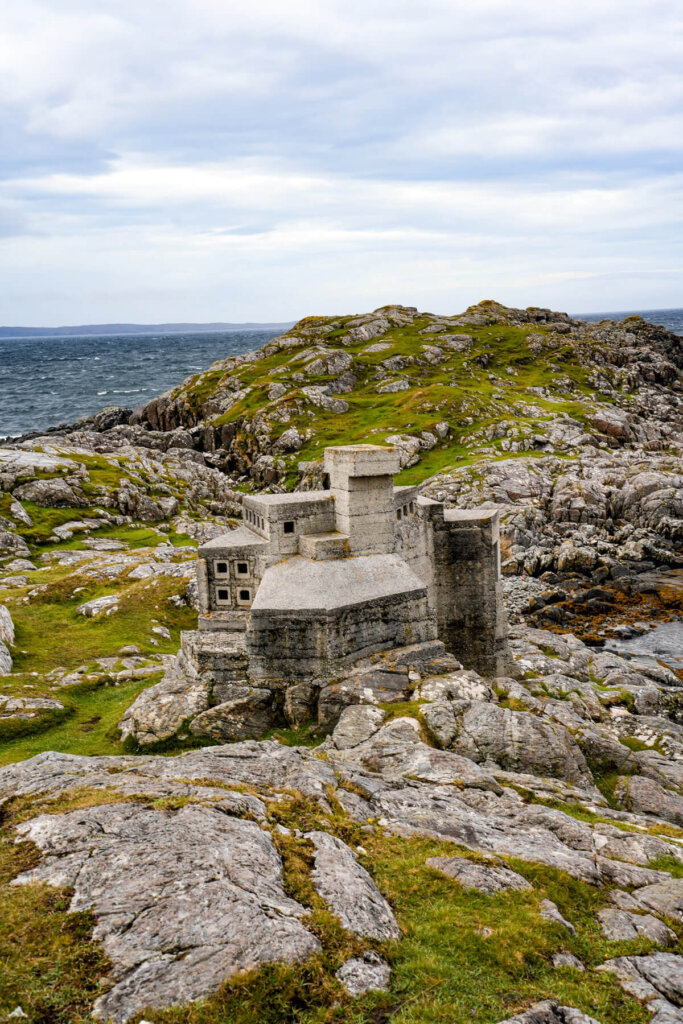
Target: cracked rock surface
{"type": "Point", "coordinates": [183, 899]}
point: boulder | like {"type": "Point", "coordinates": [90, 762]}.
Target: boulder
{"type": "Point", "coordinates": [99, 605]}
{"type": "Point", "coordinates": [5, 659]}
{"type": "Point", "coordinates": [6, 626]}
{"type": "Point", "coordinates": [645, 796]}
{"type": "Point", "coordinates": [665, 898]}
{"type": "Point", "coordinates": [361, 975]}
{"type": "Point", "coordinates": [349, 890]}
{"type": "Point", "coordinates": [300, 703]}
{"type": "Point", "coordinates": [160, 710]}
{"type": "Point", "coordinates": [624, 926]}
{"type": "Point", "coordinates": [248, 715]}
{"type": "Point", "coordinates": [550, 1012]}
{"type": "Point", "coordinates": [519, 741]}
{"type": "Point", "coordinates": [11, 544]}
{"type": "Point", "coordinates": [54, 493]}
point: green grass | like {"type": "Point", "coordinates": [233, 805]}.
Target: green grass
{"type": "Point", "coordinates": [463, 956]}
{"type": "Point", "coordinates": [457, 387]}
{"type": "Point", "coordinates": [50, 632]}
{"type": "Point", "coordinates": [89, 729]}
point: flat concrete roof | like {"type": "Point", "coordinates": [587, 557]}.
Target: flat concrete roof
{"type": "Point", "coordinates": [240, 538]}
{"type": "Point", "coordinates": [290, 498]}
{"type": "Point", "coordinates": [299, 584]}
{"type": "Point", "coordinates": [458, 515]}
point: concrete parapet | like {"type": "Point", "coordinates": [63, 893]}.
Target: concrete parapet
{"type": "Point", "coordinates": [324, 545]}
{"type": "Point", "coordinates": [359, 460]}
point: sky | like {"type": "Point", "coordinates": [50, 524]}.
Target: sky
{"type": "Point", "coordinates": [201, 160]}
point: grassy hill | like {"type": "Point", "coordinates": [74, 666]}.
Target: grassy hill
{"type": "Point", "coordinates": [448, 389]}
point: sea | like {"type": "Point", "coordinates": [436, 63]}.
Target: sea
{"type": "Point", "coordinates": [47, 381]}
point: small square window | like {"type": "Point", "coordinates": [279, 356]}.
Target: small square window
{"type": "Point", "coordinates": [289, 526]}
{"type": "Point", "coordinates": [242, 569]}
{"type": "Point", "coordinates": [223, 595]}
{"type": "Point", "coordinates": [245, 595]}
{"type": "Point", "coordinates": [221, 568]}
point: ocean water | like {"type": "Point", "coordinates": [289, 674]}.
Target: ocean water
{"type": "Point", "coordinates": [669, 318]}
{"type": "Point", "coordinates": [48, 381]}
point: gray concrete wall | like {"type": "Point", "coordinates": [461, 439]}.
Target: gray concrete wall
{"type": "Point", "coordinates": [289, 646]}
{"type": "Point", "coordinates": [466, 590]}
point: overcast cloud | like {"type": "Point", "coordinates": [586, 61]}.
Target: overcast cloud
{"type": "Point", "coordinates": [214, 160]}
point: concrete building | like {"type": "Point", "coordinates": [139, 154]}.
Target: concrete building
{"type": "Point", "coordinates": [313, 582]}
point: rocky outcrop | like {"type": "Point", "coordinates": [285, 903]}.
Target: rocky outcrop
{"type": "Point", "coordinates": [204, 901]}
{"type": "Point", "coordinates": [204, 828]}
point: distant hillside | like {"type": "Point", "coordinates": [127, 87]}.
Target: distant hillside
{"type": "Point", "coordinates": [97, 329]}
{"type": "Point", "coordinates": [488, 383]}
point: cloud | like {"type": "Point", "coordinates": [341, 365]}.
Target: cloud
{"type": "Point", "coordinates": [210, 153]}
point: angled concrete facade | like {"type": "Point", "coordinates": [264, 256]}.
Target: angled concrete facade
{"type": "Point", "coordinates": [314, 582]}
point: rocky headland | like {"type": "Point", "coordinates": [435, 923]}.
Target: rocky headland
{"type": "Point", "coordinates": [437, 846]}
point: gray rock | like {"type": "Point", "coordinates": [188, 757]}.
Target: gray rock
{"type": "Point", "coordinates": [605, 751]}
{"type": "Point", "coordinates": [356, 724]}
{"type": "Point", "coordinates": [363, 685]}
{"type": "Point", "coordinates": [483, 821]}
{"type": "Point", "coordinates": [645, 796]}
{"type": "Point", "coordinates": [361, 975]}
{"type": "Point", "coordinates": [160, 710]}
{"type": "Point", "coordinates": [320, 396]}
{"type": "Point", "coordinates": [519, 741]}
{"type": "Point", "coordinates": [18, 512]}
{"type": "Point", "coordinates": [6, 637]}
{"type": "Point", "coordinates": [54, 493]}
{"type": "Point", "coordinates": [27, 707]}
{"type": "Point", "coordinates": [483, 877]}
{"type": "Point", "coordinates": [5, 660]}
{"type": "Point", "coordinates": [550, 912]}
{"type": "Point", "coordinates": [461, 685]}
{"type": "Point", "coordinates": [391, 386]}
{"type": "Point", "coordinates": [665, 898]}
{"type": "Point", "coordinates": [549, 1012]}
{"type": "Point", "coordinates": [107, 605]}
{"type": "Point", "coordinates": [259, 765]}
{"type": "Point", "coordinates": [300, 703]}
{"type": "Point", "coordinates": [439, 720]}
{"type": "Point", "coordinates": [567, 960]}
{"type": "Point", "coordinates": [13, 544]}
{"type": "Point", "coordinates": [349, 890]}
{"type": "Point", "coordinates": [650, 977]}
{"type": "Point", "coordinates": [397, 751]}
{"type": "Point", "coordinates": [21, 565]}
{"type": "Point", "coordinates": [618, 925]}
{"type": "Point", "coordinates": [183, 899]}
{"type": "Point", "coordinates": [248, 716]}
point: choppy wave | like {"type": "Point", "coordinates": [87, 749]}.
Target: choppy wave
{"type": "Point", "coordinates": [48, 381]}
